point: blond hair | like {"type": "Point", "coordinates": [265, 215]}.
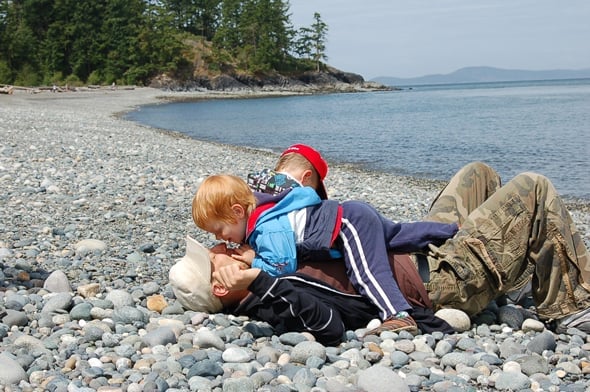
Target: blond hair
{"type": "Point", "coordinates": [216, 196]}
{"type": "Point", "coordinates": [293, 160]}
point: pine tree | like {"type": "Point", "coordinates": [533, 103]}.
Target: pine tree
{"type": "Point", "coordinates": [319, 34]}
{"type": "Point", "coordinates": [311, 42]}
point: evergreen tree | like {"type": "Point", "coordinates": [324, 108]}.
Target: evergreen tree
{"type": "Point", "coordinates": [197, 17]}
{"type": "Point", "coordinates": [56, 46]}
{"type": "Point", "coordinates": [87, 48]}
{"type": "Point", "coordinates": [319, 33]}
{"type": "Point", "coordinates": [275, 34]}
{"type": "Point", "coordinates": [228, 36]}
{"type": "Point", "coordinates": [18, 46]}
{"type": "Point", "coordinates": [119, 39]}
{"type": "Point", "coordinates": [311, 42]}
{"type": "Point", "coordinates": [303, 43]}
{"type": "Point", "coordinates": [257, 33]}
{"type": "Point", "coordinates": [160, 45]}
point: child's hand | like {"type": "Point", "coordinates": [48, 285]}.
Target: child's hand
{"type": "Point", "coordinates": [245, 254]}
{"type": "Point", "coordinates": [236, 276]}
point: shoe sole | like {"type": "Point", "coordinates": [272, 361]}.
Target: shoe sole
{"type": "Point", "coordinates": [377, 331]}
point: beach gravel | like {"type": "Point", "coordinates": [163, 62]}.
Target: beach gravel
{"type": "Point", "coordinates": [94, 210]}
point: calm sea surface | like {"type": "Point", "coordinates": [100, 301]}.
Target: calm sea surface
{"type": "Point", "coordinates": [424, 131]}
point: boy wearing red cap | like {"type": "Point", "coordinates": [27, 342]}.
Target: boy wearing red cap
{"type": "Point", "coordinates": [299, 165]}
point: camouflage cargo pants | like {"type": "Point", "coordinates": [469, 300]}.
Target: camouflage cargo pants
{"type": "Point", "coordinates": [509, 235]}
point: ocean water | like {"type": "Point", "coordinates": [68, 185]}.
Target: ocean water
{"type": "Point", "coordinates": [420, 131]}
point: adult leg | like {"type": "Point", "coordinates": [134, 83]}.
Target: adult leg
{"type": "Point", "coordinates": [523, 229]}
{"type": "Point", "coordinates": [473, 184]}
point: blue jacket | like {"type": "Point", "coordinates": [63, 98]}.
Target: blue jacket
{"type": "Point", "coordinates": [292, 224]}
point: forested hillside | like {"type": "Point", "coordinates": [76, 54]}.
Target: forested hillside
{"type": "Point", "coordinates": [45, 42]}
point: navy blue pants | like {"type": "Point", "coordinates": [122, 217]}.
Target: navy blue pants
{"type": "Point", "coordinates": [364, 241]}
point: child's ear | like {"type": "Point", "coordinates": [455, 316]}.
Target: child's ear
{"type": "Point", "coordinates": [239, 211]}
{"type": "Point", "coordinates": [219, 290]}
{"type": "Point", "coordinates": [306, 178]}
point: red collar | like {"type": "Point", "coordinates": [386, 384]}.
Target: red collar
{"type": "Point", "coordinates": [254, 217]}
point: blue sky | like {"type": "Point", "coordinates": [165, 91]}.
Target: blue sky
{"type": "Point", "coordinates": [408, 38]}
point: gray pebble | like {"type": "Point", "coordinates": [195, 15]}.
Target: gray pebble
{"type": "Point", "coordinates": [399, 359]}
{"type": "Point", "coordinates": [205, 338]}
{"type": "Point", "coordinates": [302, 351]}
{"type": "Point", "coordinates": [58, 302]}
{"type": "Point", "coordinates": [198, 383]}
{"type": "Point", "coordinates": [236, 354]}
{"type": "Point", "coordinates": [512, 381]}
{"type": "Point", "coordinates": [292, 338]}
{"type": "Point", "coordinates": [532, 364]}
{"type": "Point", "coordinates": [381, 379]}
{"type": "Point", "coordinates": [150, 288]}
{"type": "Point", "coordinates": [57, 282]}
{"type": "Point", "coordinates": [205, 368]}
{"type": "Point", "coordinates": [160, 336]}
{"type": "Point", "coordinates": [241, 384]}
{"type": "Point", "coordinates": [541, 342]}
{"type": "Point", "coordinates": [443, 347]}
{"type": "Point", "coordinates": [15, 318]}
{"type": "Point", "coordinates": [11, 372]}
{"type": "Point", "coordinates": [532, 325]}
{"type": "Point", "coordinates": [510, 347]}
{"type": "Point", "coordinates": [454, 358]}
{"type": "Point", "coordinates": [129, 315]}
{"type": "Point", "coordinates": [120, 298]}
{"type": "Point", "coordinates": [510, 316]}
{"type": "Point", "coordinates": [82, 311]}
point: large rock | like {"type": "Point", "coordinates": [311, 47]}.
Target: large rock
{"type": "Point", "coordinates": [456, 318]}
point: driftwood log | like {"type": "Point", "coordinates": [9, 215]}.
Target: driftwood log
{"type": "Point", "coordinates": [6, 89]}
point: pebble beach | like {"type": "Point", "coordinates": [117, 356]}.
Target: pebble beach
{"type": "Point", "coordinates": [94, 210]}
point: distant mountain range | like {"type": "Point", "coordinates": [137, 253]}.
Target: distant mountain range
{"type": "Point", "coordinates": [484, 74]}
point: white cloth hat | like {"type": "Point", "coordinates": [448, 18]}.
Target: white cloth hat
{"type": "Point", "coordinates": [190, 279]}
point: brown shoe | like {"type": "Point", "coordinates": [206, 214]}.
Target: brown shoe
{"type": "Point", "coordinates": [395, 324]}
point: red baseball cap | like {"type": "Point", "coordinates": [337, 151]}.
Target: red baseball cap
{"type": "Point", "coordinates": [316, 160]}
